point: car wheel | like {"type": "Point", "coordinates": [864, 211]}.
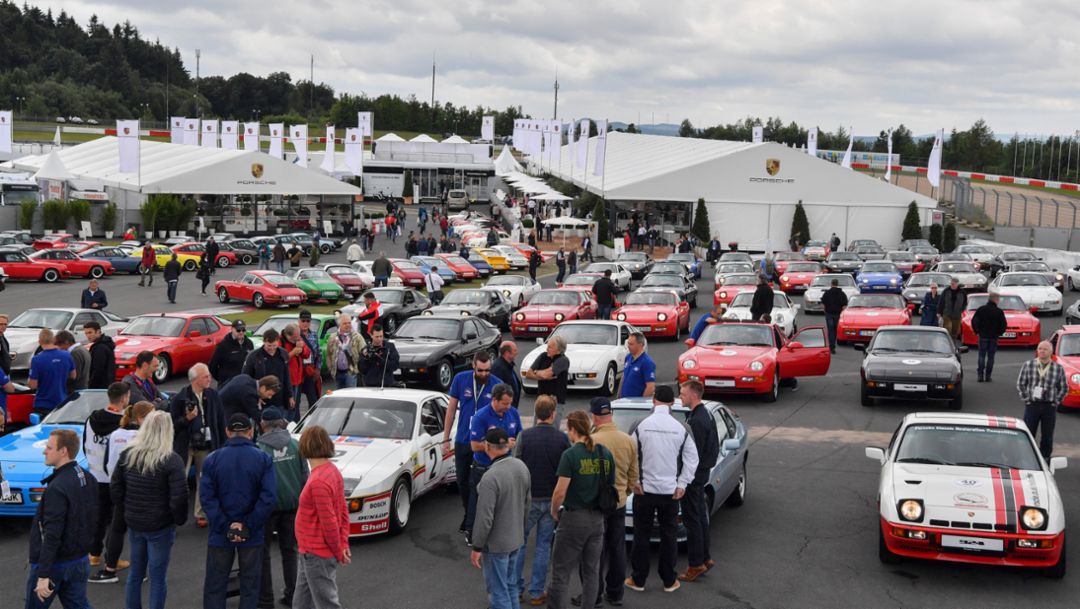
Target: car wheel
{"type": "Point", "coordinates": [864, 396]}
{"type": "Point", "coordinates": [97, 272]}
{"type": "Point", "coordinates": [164, 369]}
{"type": "Point", "coordinates": [223, 296]}
{"type": "Point", "coordinates": [957, 402]}
{"type": "Point", "coordinates": [50, 276]}
{"type": "Point", "coordinates": [738, 495]}
{"type": "Point", "coordinates": [247, 259]}
{"type": "Point", "coordinates": [390, 325]}
{"type": "Point", "coordinates": [885, 555]}
{"type": "Point", "coordinates": [609, 381]}
{"type": "Point", "coordinates": [775, 391]}
{"type": "Point", "coordinates": [444, 375]}
{"type": "Point", "coordinates": [223, 262]}
{"type": "Point", "coordinates": [400, 505]}
{"type": "Point", "coordinates": [189, 265]}
{"type": "Point", "coordinates": [258, 301]}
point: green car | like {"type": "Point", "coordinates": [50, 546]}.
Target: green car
{"type": "Point", "coordinates": [322, 324]}
{"type": "Point", "coordinates": [317, 284]}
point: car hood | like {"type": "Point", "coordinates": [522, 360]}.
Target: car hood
{"type": "Point", "coordinates": [21, 451]}
{"type": "Point", "coordinates": [582, 357]}
{"type": "Point", "coordinates": [914, 365]}
{"type": "Point", "coordinates": [416, 349]}
{"type": "Point", "coordinates": [356, 456]}
{"type": "Point", "coordinates": [844, 263]}
{"type": "Point", "coordinates": [21, 339]}
{"type": "Point", "coordinates": [143, 343]}
{"type": "Point", "coordinates": [875, 315]}
{"type": "Point", "coordinates": [544, 311]}
{"type": "Point", "coordinates": [727, 356]}
{"type": "Point", "coordinates": [800, 276]}
{"type": "Point", "coordinates": [952, 493]}
{"type": "Point", "coordinates": [879, 276]}
{"type": "Point", "coordinates": [456, 308]}
{"type": "Point", "coordinates": [318, 284]}
{"type": "Point", "coordinates": [643, 311]}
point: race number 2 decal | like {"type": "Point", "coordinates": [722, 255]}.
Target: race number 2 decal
{"type": "Point", "coordinates": [431, 459]}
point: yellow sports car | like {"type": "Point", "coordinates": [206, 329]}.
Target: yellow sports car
{"type": "Point", "coordinates": [494, 258]}
{"type": "Point", "coordinates": [189, 262]}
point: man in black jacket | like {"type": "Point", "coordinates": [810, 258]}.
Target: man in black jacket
{"type": "Point", "coordinates": [951, 308]}
{"type": "Point", "coordinates": [833, 302]}
{"type": "Point", "coordinates": [212, 251]}
{"type": "Point", "coordinates": [763, 299]}
{"type": "Point", "coordinates": [604, 292]}
{"type": "Point", "coordinates": [198, 425]}
{"type": "Point", "coordinates": [694, 509]}
{"type": "Point", "coordinates": [231, 353]}
{"type": "Point", "coordinates": [504, 368]}
{"type": "Point", "coordinates": [63, 527]}
{"type": "Point", "coordinates": [379, 360]}
{"type": "Point", "coordinates": [271, 360]}
{"type": "Point", "coordinates": [989, 324]}
{"type": "Point", "coordinates": [141, 380]}
{"type": "Point", "coordinates": [102, 356]}
{"type": "Point", "coordinates": [535, 260]}
{"type": "Point", "coordinates": [246, 395]}
{"type": "Point", "coordinates": [172, 277]}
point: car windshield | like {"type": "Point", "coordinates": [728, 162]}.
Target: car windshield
{"type": "Point", "coordinates": [555, 297]}
{"type": "Point", "coordinates": [669, 267]}
{"type": "Point", "coordinates": [632, 257]}
{"type": "Point", "coordinates": [878, 267]}
{"type": "Point", "coordinates": [925, 279]}
{"type": "Point", "coordinates": [913, 341]}
{"type": "Point", "coordinates": [311, 274]}
{"type": "Point", "coordinates": [360, 418]}
{"type": "Point", "coordinates": [429, 327]}
{"type": "Point", "coordinates": [78, 409]}
{"type": "Point", "coordinates": [42, 318]}
{"type": "Point", "coordinates": [825, 281]}
{"type": "Point", "coordinates": [514, 280]}
{"type": "Point", "coordinates": [341, 271]}
{"type": "Point", "coordinates": [734, 267]}
{"type": "Point", "coordinates": [972, 249]}
{"type": "Point", "coordinates": [1016, 256]}
{"type": "Point", "coordinates": [803, 267]}
{"type": "Point", "coordinates": [405, 265]}
{"type": "Point", "coordinates": [456, 260]}
{"type": "Point", "coordinates": [916, 242]}
{"type": "Point", "coordinates": [876, 301]}
{"type": "Point", "coordinates": [869, 249]}
{"type": "Point", "coordinates": [740, 280]}
{"type": "Point", "coordinates": [747, 335]}
{"type": "Point", "coordinates": [651, 298]}
{"type": "Point", "coordinates": [472, 297]}
{"type": "Point", "coordinates": [280, 281]}
{"type": "Point", "coordinates": [587, 334]}
{"type": "Point", "coordinates": [957, 267]}
{"type": "Point", "coordinates": [967, 445]}
{"type": "Point", "coordinates": [844, 256]}
{"type": "Point", "coordinates": [900, 257]}
{"type": "Point", "coordinates": [1039, 267]}
{"type": "Point", "coordinates": [663, 280]}
{"type": "Point", "coordinates": [735, 257]}
{"type": "Point", "coordinates": [815, 244]}
{"type": "Point", "coordinates": [155, 325]}
{"type": "Point", "coordinates": [599, 267]}
{"type": "Point", "coordinates": [279, 323]}
{"type": "Point", "coordinates": [689, 258]}
{"type": "Point", "coordinates": [1006, 302]}
{"type": "Point", "coordinates": [780, 301]}
{"type": "Point", "coordinates": [1069, 345]}
{"type": "Point", "coordinates": [924, 250]}
{"type": "Point", "coordinates": [788, 256]}
{"type": "Point", "coordinates": [580, 280]}
{"type": "Point", "coordinates": [1024, 279]}
{"type": "Point", "coordinates": [243, 244]}
{"type": "Point", "coordinates": [388, 296]}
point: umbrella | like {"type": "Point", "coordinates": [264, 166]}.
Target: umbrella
{"type": "Point", "coordinates": [553, 196]}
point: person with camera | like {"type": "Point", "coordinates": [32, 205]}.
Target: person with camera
{"type": "Point", "coordinates": [231, 353]}
{"type": "Point", "coordinates": [141, 380]}
{"type": "Point", "coordinates": [237, 492]}
{"type": "Point", "coordinates": [291, 473]}
{"type": "Point", "coordinates": [272, 360]}
{"type": "Point", "coordinates": [379, 360]}
{"type": "Point", "coordinates": [199, 425]}
{"type": "Point", "coordinates": [343, 350]}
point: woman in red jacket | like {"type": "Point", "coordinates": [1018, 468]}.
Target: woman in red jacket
{"type": "Point", "coordinates": [322, 525]}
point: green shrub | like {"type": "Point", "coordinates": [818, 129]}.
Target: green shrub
{"type": "Point", "coordinates": [108, 217]}
{"type": "Point", "coordinates": [166, 211]}
{"type": "Point", "coordinates": [79, 211]}
{"type": "Point", "coordinates": [936, 236]}
{"type": "Point", "coordinates": [527, 222]}
{"type": "Point", "coordinates": [800, 226]}
{"type": "Point", "coordinates": [26, 214]}
{"type": "Point", "coordinates": [599, 215]}
{"type": "Point", "coordinates": [407, 189]}
{"type": "Point", "coordinates": [912, 229]}
{"type": "Point", "coordinates": [950, 237]}
{"type": "Point", "coordinates": [54, 213]}
{"type": "Point", "coordinates": [701, 222]}
{"type": "Point", "coordinates": [183, 213]}
{"type": "Point", "coordinates": [149, 211]}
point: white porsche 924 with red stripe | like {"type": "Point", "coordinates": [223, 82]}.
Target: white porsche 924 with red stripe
{"type": "Point", "coordinates": [969, 488]}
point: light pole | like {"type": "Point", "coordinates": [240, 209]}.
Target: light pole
{"type": "Point", "coordinates": [255, 112]}
{"type": "Point", "coordinates": [145, 110]}
{"type": "Point", "coordinates": [19, 102]}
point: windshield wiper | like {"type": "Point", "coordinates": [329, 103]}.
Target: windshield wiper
{"type": "Point", "coordinates": [345, 423]}
{"type": "Point", "coordinates": [934, 351]}
{"type": "Point", "coordinates": [925, 460]}
{"type": "Point", "coordinates": [982, 464]}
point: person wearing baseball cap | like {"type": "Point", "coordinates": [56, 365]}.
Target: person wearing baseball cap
{"type": "Point", "coordinates": [624, 451]}
{"type": "Point", "coordinates": [237, 493]}
{"type": "Point", "coordinates": [291, 474]}
{"type": "Point", "coordinates": [230, 354]}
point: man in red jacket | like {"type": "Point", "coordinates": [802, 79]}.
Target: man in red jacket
{"type": "Point", "coordinates": [367, 318]}
{"type": "Point", "coordinates": [149, 261]}
{"type": "Point", "coordinates": [297, 351]}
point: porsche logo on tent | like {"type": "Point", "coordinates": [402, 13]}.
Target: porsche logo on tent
{"type": "Point", "coordinates": [772, 166]}
{"type": "Point", "coordinates": [353, 137]}
{"type": "Point", "coordinates": [250, 131]}
{"type": "Point", "coordinates": [127, 131]}
{"type": "Point", "coordinates": [257, 170]}
{"type": "Point", "coordinates": [229, 129]}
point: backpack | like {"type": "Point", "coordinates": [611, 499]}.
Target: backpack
{"type": "Point", "coordinates": [607, 497]}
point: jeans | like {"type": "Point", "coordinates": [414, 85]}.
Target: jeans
{"type": "Point", "coordinates": [149, 552]}
{"type": "Point", "coordinates": [987, 349]}
{"type": "Point", "coordinates": [463, 458]}
{"type": "Point", "coordinates": [344, 379]}
{"type": "Point", "coordinates": [1044, 414]}
{"type": "Point", "coordinates": [665, 510]}
{"type": "Point", "coordinates": [70, 586]}
{"type": "Point", "coordinates": [613, 556]}
{"type": "Point", "coordinates": [476, 472]}
{"type": "Point", "coordinates": [500, 577]}
{"type": "Point", "coordinates": [170, 289]}
{"type": "Point", "coordinates": [316, 584]}
{"type": "Point", "coordinates": [264, 264]}
{"type": "Point", "coordinates": [578, 544]}
{"type": "Point", "coordinates": [197, 457]}
{"type": "Point", "coordinates": [603, 311]}
{"type": "Point", "coordinates": [284, 522]}
{"type": "Point", "coordinates": [696, 520]}
{"type": "Point", "coordinates": [539, 516]}
{"type": "Point", "coordinates": [104, 517]}
{"type": "Point", "coordinates": [832, 320]}
{"type": "Point", "coordinates": [380, 281]}
{"type": "Point", "coordinates": [562, 273]}
{"type": "Point", "coordinates": [219, 562]}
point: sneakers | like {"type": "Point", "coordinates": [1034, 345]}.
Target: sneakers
{"type": "Point", "coordinates": [122, 564]}
{"type": "Point", "coordinates": [103, 577]}
{"type": "Point", "coordinates": [692, 573]}
{"type": "Point", "coordinates": [538, 601]}
{"type": "Point", "coordinates": [630, 583]}
{"type": "Point", "coordinates": [673, 587]}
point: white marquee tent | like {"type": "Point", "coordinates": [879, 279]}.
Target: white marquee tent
{"type": "Point", "coordinates": [506, 164]}
{"type": "Point", "coordinates": [390, 137]}
{"type": "Point", "coordinates": [750, 189]}
{"type": "Point", "coordinates": [424, 138]}
{"type": "Point", "coordinates": [455, 139]}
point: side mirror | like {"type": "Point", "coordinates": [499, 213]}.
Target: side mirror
{"type": "Point", "coordinates": [878, 454]}
{"type": "Point", "coordinates": [731, 445]}
{"type": "Point", "coordinates": [964, 348]}
{"type": "Point", "coordinates": [911, 307]}
{"type": "Point", "coordinates": [1033, 309]}
{"type": "Point", "coordinates": [690, 342]}
{"type": "Point", "coordinates": [1056, 463]}
{"type": "Point", "coordinates": [539, 340]}
{"type": "Point", "coordinates": [35, 418]}
{"type": "Point", "coordinates": [794, 345]}
{"type": "Point", "coordinates": [194, 334]}
{"type": "Point", "coordinates": [859, 346]}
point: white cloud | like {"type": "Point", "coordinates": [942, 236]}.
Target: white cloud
{"type": "Point", "coordinates": [871, 65]}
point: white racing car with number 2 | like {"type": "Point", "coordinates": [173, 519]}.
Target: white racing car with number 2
{"type": "Point", "coordinates": [388, 446]}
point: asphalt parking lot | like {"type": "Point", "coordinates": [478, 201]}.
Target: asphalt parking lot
{"type": "Point", "coordinates": [806, 536]}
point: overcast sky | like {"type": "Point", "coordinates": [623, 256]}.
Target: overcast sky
{"type": "Point", "coordinates": [870, 65]}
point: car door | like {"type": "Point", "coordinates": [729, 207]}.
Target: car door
{"type": "Point", "coordinates": [472, 337]}
{"type": "Point", "coordinates": [246, 287]}
{"type": "Point", "coordinates": [430, 454]}
{"type": "Point", "coordinates": [725, 474]}
{"type": "Point", "coordinates": [586, 306]}
{"type": "Point", "coordinates": [15, 267]}
{"type": "Point", "coordinates": [184, 352]}
{"type": "Point", "coordinates": [621, 351]}
{"type": "Point", "coordinates": [204, 345]}
{"type": "Point", "coordinates": [408, 305]}
{"type": "Point", "coordinates": [810, 359]}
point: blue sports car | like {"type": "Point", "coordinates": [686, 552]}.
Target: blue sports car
{"type": "Point", "coordinates": [480, 265]}
{"type": "Point", "coordinates": [121, 261]}
{"type": "Point", "coordinates": [879, 276]}
{"type": "Point", "coordinates": [426, 262]}
{"type": "Point", "coordinates": [691, 262]}
{"type": "Point", "coordinates": [22, 459]}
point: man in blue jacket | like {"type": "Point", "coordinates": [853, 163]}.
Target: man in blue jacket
{"type": "Point", "coordinates": [705, 321]}
{"type": "Point", "coordinates": [237, 493]}
{"type": "Point", "coordinates": [93, 297]}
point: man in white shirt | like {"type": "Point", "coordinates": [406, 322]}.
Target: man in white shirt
{"type": "Point", "coordinates": [668, 459]}
{"type": "Point", "coordinates": [434, 283]}
{"type": "Point", "coordinates": [354, 253]}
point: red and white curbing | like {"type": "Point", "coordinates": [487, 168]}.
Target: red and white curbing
{"type": "Point", "coordinates": [986, 177]}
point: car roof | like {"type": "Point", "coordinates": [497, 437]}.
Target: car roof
{"type": "Point", "coordinates": [963, 418]}
{"type": "Point", "coordinates": [1070, 329]}
{"type": "Point", "coordinates": [937, 329]}
{"type": "Point", "coordinates": [392, 393]}
{"type": "Point", "coordinates": [180, 315]}
{"type": "Point", "coordinates": [647, 404]}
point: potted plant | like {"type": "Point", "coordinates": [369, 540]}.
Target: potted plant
{"type": "Point", "coordinates": [54, 212]}
{"type": "Point", "coordinates": [26, 215]}
{"type": "Point", "coordinates": [79, 211]}
{"type": "Point", "coordinates": [149, 212]}
{"type": "Point", "coordinates": [165, 213]}
{"type": "Point", "coordinates": [108, 219]}
{"type": "Point", "coordinates": [407, 188]}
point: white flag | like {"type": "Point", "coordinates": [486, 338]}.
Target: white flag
{"type": "Point", "coordinates": [277, 140]}
{"type": "Point", "coordinates": [811, 141]}
{"type": "Point", "coordinates": [933, 168]}
{"type": "Point", "coordinates": [846, 163]}
{"type": "Point", "coordinates": [487, 128]}
{"type": "Point", "coordinates": [888, 161]}
{"type": "Point", "coordinates": [354, 151]}
{"type": "Point", "coordinates": [298, 137]}
{"type": "Point", "coordinates": [56, 138]}
{"type": "Point", "coordinates": [601, 148]}
{"type": "Point", "coordinates": [571, 142]}
{"type": "Point", "coordinates": [230, 135]}
{"type": "Point", "coordinates": [209, 134]}
{"type": "Point", "coordinates": [515, 142]}
{"type": "Point", "coordinates": [7, 131]}
{"type": "Point", "coordinates": [583, 144]}
{"type": "Point", "coordinates": [556, 143]}
{"type": "Point", "coordinates": [328, 158]}
{"type": "Point", "coordinates": [251, 137]}
{"type": "Point", "coordinates": [366, 122]}
{"type": "Point", "coordinates": [176, 129]}
{"type": "Point", "coordinates": [191, 132]}
{"type": "Point", "coordinates": [759, 134]}
{"type": "Point", "coordinates": [127, 134]}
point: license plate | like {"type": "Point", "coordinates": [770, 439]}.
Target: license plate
{"type": "Point", "coordinates": [292, 298]}
{"type": "Point", "coordinates": [537, 329]}
{"type": "Point", "coordinates": [866, 332]}
{"type": "Point", "coordinates": [972, 544]}
{"type": "Point", "coordinates": [644, 328]}
{"type": "Point", "coordinates": [1009, 335]}
{"type": "Point", "coordinates": [14, 497]}
{"type": "Point", "coordinates": [906, 387]}
{"type": "Point", "coordinates": [328, 293]}
{"type": "Point", "coordinates": [720, 383]}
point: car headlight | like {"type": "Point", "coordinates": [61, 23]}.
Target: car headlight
{"type": "Point", "coordinates": [864, 280]}
{"type": "Point", "coordinates": [350, 485]}
{"type": "Point", "coordinates": [661, 316]}
{"type": "Point", "coordinates": [912, 295]}
{"type": "Point", "coordinates": [757, 366]}
{"type": "Point", "coordinates": [506, 293]}
{"type": "Point", "coordinates": [559, 317]}
{"type": "Point", "coordinates": [427, 312]}
{"type": "Point", "coordinates": [520, 317]}
{"type": "Point", "coordinates": [980, 279]}
{"type": "Point", "coordinates": [464, 313]}
{"type": "Point", "coordinates": [689, 364]}
{"type": "Point", "coordinates": [893, 281]}
{"type": "Point", "coordinates": [910, 510]}
{"type": "Point", "coordinates": [1033, 518]}
{"type": "Point", "coordinates": [784, 278]}
{"type": "Point", "coordinates": [1060, 276]}
{"type": "Point", "coordinates": [723, 294]}
{"type": "Point", "coordinates": [621, 317]}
